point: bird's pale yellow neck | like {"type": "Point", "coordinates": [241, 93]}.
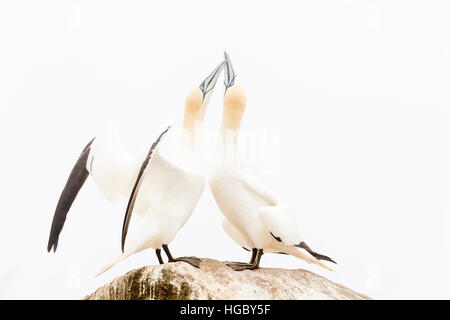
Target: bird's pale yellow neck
{"type": "Point", "coordinates": [233, 111]}
{"type": "Point", "coordinates": [192, 119]}
{"type": "Point", "coordinates": [191, 137]}
{"type": "Point", "coordinates": [227, 147]}
{"type": "Point", "coordinates": [193, 110]}
{"type": "Point", "coordinates": [192, 125]}
{"type": "Point", "coordinates": [231, 119]}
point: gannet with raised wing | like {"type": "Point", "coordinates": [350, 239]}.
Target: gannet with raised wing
{"type": "Point", "coordinates": [170, 189]}
{"type": "Point", "coordinates": [163, 193]}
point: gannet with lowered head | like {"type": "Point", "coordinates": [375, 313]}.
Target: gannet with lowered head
{"type": "Point", "coordinates": [255, 218]}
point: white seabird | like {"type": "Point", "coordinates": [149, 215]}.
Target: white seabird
{"type": "Point", "coordinates": [163, 193]}
{"type": "Point", "coordinates": [255, 218]}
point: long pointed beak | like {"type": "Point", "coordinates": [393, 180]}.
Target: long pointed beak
{"type": "Point", "coordinates": [208, 84]}
{"type": "Point", "coordinates": [229, 72]}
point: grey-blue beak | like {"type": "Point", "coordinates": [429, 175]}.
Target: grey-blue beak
{"type": "Point", "coordinates": [229, 72]}
{"type": "Point", "coordinates": [208, 84]}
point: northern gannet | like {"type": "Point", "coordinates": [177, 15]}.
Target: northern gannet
{"type": "Point", "coordinates": [255, 218]}
{"type": "Point", "coordinates": [163, 193]}
{"type": "Point", "coordinates": [169, 189]}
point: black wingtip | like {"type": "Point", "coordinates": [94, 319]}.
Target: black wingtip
{"type": "Point", "coordinates": [55, 244]}
{"type": "Point", "coordinates": [135, 190]}
{"type": "Point", "coordinates": [76, 179]}
{"type": "Point", "coordinates": [316, 255]}
{"type": "Point", "coordinates": [125, 229]}
{"type": "Point", "coordinates": [123, 244]}
{"type": "Point", "coordinates": [275, 237]}
{"type": "Point", "coordinates": [51, 246]}
{"type": "Point", "coordinates": [52, 243]}
{"type": "Point", "coordinates": [319, 256]}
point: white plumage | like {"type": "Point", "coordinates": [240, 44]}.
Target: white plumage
{"type": "Point", "coordinates": [110, 164]}
{"type": "Point", "coordinates": [167, 196]}
{"type": "Point", "coordinates": [280, 221]}
{"type": "Point", "coordinates": [255, 218]}
{"type": "Point", "coordinates": [164, 192]}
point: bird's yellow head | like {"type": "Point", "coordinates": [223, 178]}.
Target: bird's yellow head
{"type": "Point", "coordinates": [193, 110]}
{"type": "Point", "coordinates": [234, 104]}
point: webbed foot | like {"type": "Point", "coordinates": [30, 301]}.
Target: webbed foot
{"type": "Point", "coordinates": [193, 261]}
{"type": "Point", "coordinates": [242, 266]}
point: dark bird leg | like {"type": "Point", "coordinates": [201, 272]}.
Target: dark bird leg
{"type": "Point", "coordinates": [158, 254]}
{"type": "Point", "coordinates": [252, 259]}
{"type": "Point", "coordinates": [193, 261]}
{"type": "Point", "coordinates": [252, 265]}
{"type": "Point", "coordinates": [254, 252]}
{"type": "Point", "coordinates": [316, 255]}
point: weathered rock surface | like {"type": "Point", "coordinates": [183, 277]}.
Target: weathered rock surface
{"type": "Point", "coordinates": [215, 280]}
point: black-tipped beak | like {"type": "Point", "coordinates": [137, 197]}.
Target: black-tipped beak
{"type": "Point", "coordinates": [208, 84]}
{"type": "Point", "coordinates": [229, 72]}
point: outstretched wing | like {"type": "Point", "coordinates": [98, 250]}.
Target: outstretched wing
{"type": "Point", "coordinates": [281, 224]}
{"type": "Point", "coordinates": [137, 185]}
{"type": "Point", "coordinates": [77, 177]}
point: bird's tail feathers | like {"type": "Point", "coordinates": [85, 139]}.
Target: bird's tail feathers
{"type": "Point", "coordinates": [113, 263]}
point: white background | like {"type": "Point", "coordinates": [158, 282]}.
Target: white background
{"type": "Point", "coordinates": [357, 92]}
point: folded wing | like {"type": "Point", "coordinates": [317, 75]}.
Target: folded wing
{"type": "Point", "coordinates": [137, 185]}
{"type": "Point", "coordinates": [234, 234]}
{"type": "Point", "coordinates": [281, 224]}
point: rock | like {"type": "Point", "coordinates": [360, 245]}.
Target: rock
{"type": "Point", "coordinates": [215, 280]}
